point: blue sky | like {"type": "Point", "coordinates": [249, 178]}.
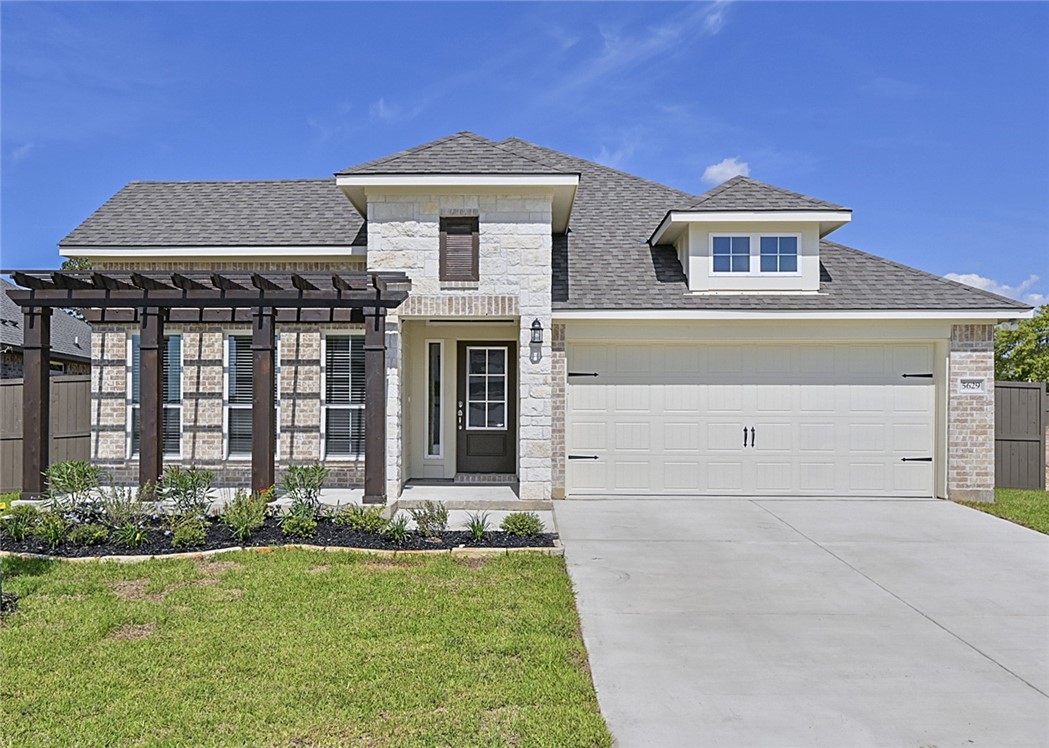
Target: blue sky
{"type": "Point", "coordinates": [930, 120]}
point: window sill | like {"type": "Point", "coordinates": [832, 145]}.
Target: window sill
{"type": "Point", "coordinates": [460, 285]}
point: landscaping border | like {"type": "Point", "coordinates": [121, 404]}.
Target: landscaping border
{"type": "Point", "coordinates": [555, 550]}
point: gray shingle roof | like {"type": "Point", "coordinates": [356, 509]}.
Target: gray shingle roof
{"type": "Point", "coordinates": [294, 212]}
{"type": "Point", "coordinates": [461, 153]}
{"type": "Point", "coordinates": [70, 337]}
{"type": "Point", "coordinates": [605, 263]}
{"type": "Point", "coordinates": [744, 193]}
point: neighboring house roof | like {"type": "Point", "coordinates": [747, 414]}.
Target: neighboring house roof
{"type": "Point", "coordinates": [70, 337]}
{"type": "Point", "coordinates": [293, 212]}
{"type": "Point", "coordinates": [744, 193]}
{"type": "Point", "coordinates": [604, 262]}
{"type": "Point", "coordinates": [461, 153]}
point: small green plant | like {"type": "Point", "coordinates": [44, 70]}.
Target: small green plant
{"type": "Point", "coordinates": [431, 518]}
{"type": "Point", "coordinates": [524, 524]}
{"type": "Point", "coordinates": [303, 483]}
{"type": "Point", "coordinates": [397, 529]}
{"type": "Point", "coordinates": [477, 525]}
{"type": "Point", "coordinates": [190, 533]}
{"type": "Point", "coordinates": [300, 522]}
{"type": "Point", "coordinates": [360, 518]}
{"type": "Point", "coordinates": [52, 528]}
{"type": "Point", "coordinates": [118, 506]}
{"type": "Point", "coordinates": [21, 521]}
{"type": "Point", "coordinates": [73, 480]}
{"type": "Point", "coordinates": [132, 534]}
{"type": "Point", "coordinates": [244, 515]}
{"type": "Point", "coordinates": [188, 489]}
{"type": "Point", "coordinates": [7, 499]}
{"type": "Point", "coordinates": [89, 534]}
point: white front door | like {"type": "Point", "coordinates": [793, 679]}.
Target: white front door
{"type": "Point", "coordinates": [801, 419]}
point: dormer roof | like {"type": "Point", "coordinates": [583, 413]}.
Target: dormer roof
{"type": "Point", "coordinates": [745, 194]}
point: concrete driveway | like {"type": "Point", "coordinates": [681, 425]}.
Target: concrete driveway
{"type": "Point", "coordinates": [786, 622]}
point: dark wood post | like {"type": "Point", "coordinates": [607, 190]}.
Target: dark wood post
{"type": "Point", "coordinates": [374, 405]}
{"type": "Point", "coordinates": [151, 396]}
{"type": "Point", "coordinates": [36, 399]}
{"type": "Point", "coordinates": [263, 403]}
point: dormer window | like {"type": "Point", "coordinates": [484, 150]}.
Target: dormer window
{"type": "Point", "coordinates": [754, 254]}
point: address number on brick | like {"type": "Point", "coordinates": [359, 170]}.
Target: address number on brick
{"type": "Point", "coordinates": [971, 386]}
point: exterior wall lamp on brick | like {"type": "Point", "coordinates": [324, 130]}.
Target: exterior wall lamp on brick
{"type": "Point", "coordinates": [537, 332]}
{"type": "Point", "coordinates": [535, 354]}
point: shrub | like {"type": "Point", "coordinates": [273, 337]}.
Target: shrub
{"type": "Point", "coordinates": [431, 518]}
{"type": "Point", "coordinates": [525, 524]}
{"type": "Point", "coordinates": [189, 489]}
{"type": "Point", "coordinates": [190, 533]}
{"type": "Point", "coordinates": [477, 525]}
{"type": "Point", "coordinates": [303, 483]}
{"type": "Point", "coordinates": [21, 521]}
{"type": "Point", "coordinates": [300, 522]}
{"type": "Point", "coordinates": [362, 519]}
{"type": "Point", "coordinates": [118, 506]}
{"type": "Point", "coordinates": [89, 534]}
{"type": "Point", "coordinates": [51, 527]}
{"type": "Point", "coordinates": [72, 480]}
{"type": "Point", "coordinates": [244, 515]}
{"type": "Point", "coordinates": [132, 534]}
{"type": "Point", "coordinates": [7, 499]}
{"type": "Point", "coordinates": [397, 529]}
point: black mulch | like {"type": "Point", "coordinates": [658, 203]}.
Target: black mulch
{"type": "Point", "coordinates": [8, 603]}
{"type": "Point", "coordinates": [328, 533]}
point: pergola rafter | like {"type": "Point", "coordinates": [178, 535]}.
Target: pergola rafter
{"type": "Point", "coordinates": [155, 298]}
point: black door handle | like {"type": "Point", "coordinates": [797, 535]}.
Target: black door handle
{"type": "Point", "coordinates": [744, 436]}
{"type": "Point", "coordinates": [753, 437]}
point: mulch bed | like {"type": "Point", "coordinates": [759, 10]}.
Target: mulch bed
{"type": "Point", "coordinates": [328, 534]}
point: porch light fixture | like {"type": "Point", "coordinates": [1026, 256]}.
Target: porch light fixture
{"type": "Point", "coordinates": [537, 332]}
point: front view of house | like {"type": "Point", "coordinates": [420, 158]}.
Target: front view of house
{"type": "Point", "coordinates": [569, 328]}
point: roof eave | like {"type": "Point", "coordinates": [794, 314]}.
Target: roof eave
{"type": "Point", "coordinates": [828, 220]}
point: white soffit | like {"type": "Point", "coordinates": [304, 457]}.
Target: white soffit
{"type": "Point", "coordinates": [955, 315]}
{"type": "Point", "coordinates": [563, 186]}
{"type": "Point", "coordinates": [677, 220]}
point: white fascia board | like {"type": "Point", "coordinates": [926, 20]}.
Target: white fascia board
{"type": "Point", "coordinates": [976, 315]}
{"type": "Point", "coordinates": [268, 251]}
{"type": "Point", "coordinates": [834, 218]}
{"type": "Point", "coordinates": [457, 180]}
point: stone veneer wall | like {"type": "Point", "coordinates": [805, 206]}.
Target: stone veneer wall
{"type": "Point", "coordinates": [559, 385]}
{"type": "Point", "coordinates": [970, 417]}
{"type": "Point", "coordinates": [514, 263]}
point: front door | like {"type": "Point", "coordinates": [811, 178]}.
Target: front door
{"type": "Point", "coordinates": [486, 408]}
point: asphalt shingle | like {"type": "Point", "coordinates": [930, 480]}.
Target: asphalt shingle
{"type": "Point", "coordinates": [70, 337]}
{"type": "Point", "coordinates": [744, 193]}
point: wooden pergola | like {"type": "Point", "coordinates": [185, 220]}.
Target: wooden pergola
{"type": "Point", "coordinates": [152, 299]}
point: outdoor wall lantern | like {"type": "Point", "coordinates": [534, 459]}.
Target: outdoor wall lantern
{"type": "Point", "coordinates": [537, 332]}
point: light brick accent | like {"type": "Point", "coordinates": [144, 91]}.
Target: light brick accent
{"type": "Point", "coordinates": [457, 304]}
{"type": "Point", "coordinates": [559, 388]}
{"type": "Point", "coordinates": [970, 417]}
{"type": "Point", "coordinates": [348, 264]}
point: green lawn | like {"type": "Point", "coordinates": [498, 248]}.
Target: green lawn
{"type": "Point", "coordinates": [296, 648]}
{"type": "Point", "coordinates": [1027, 508]}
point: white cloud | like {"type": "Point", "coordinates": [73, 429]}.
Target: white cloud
{"type": "Point", "coordinates": [21, 153]}
{"type": "Point", "coordinates": [385, 111]}
{"type": "Point", "coordinates": [1021, 291]}
{"type": "Point", "coordinates": [726, 169]}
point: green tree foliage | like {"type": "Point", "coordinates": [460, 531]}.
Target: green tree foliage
{"type": "Point", "coordinates": [1021, 353]}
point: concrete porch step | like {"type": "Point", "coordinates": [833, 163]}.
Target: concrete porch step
{"type": "Point", "coordinates": [475, 505]}
{"type": "Point", "coordinates": [491, 479]}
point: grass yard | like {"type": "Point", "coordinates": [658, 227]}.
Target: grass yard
{"type": "Point", "coordinates": [296, 648]}
{"type": "Point", "coordinates": [1027, 508]}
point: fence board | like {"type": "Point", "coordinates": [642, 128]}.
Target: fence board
{"type": "Point", "coordinates": [70, 424]}
{"type": "Point", "coordinates": [1020, 422]}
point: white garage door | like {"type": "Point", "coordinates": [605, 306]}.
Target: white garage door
{"type": "Point", "coordinates": [750, 419]}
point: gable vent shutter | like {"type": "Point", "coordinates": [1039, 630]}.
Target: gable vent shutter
{"type": "Point", "coordinates": [459, 249]}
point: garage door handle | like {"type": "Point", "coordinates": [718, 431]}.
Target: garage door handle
{"type": "Point", "coordinates": [744, 436]}
{"type": "Point", "coordinates": [916, 459]}
{"type": "Point", "coordinates": [582, 457]}
{"type": "Point", "coordinates": [753, 437]}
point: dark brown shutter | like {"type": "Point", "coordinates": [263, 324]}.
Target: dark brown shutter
{"type": "Point", "coordinates": [459, 249]}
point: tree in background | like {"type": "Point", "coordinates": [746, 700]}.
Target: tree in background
{"type": "Point", "coordinates": [1021, 351]}
{"type": "Point", "coordinates": [73, 264]}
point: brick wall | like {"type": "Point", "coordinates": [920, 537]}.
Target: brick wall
{"type": "Point", "coordinates": [559, 384]}
{"type": "Point", "coordinates": [970, 416]}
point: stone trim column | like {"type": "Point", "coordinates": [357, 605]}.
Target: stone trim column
{"type": "Point", "coordinates": [558, 388]}
{"type": "Point", "coordinates": [970, 414]}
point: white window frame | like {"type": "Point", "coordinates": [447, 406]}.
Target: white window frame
{"type": "Point", "coordinates": [131, 405]}
{"type": "Point", "coordinates": [439, 454]}
{"type": "Point", "coordinates": [506, 387]}
{"type": "Point", "coordinates": [755, 255]}
{"type": "Point", "coordinates": [226, 406]}
{"type": "Point", "coordinates": [324, 396]}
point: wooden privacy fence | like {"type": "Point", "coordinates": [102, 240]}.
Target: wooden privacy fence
{"type": "Point", "coordinates": [70, 424]}
{"type": "Point", "coordinates": [1020, 421]}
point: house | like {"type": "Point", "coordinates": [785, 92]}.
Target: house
{"type": "Point", "coordinates": [70, 340]}
{"type": "Point", "coordinates": [570, 328]}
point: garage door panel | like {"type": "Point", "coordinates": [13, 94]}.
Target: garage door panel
{"type": "Point", "coordinates": [817, 437]}
{"type": "Point", "coordinates": [911, 437]}
{"type": "Point", "coordinates": [911, 477]}
{"type": "Point", "coordinates": [816, 477]}
{"type": "Point", "coordinates": [868, 478]}
{"type": "Point", "coordinates": [681, 398]}
{"type": "Point", "coordinates": [681, 477]}
{"type": "Point", "coordinates": [725, 476]}
{"type": "Point", "coordinates": [773, 476]}
{"type": "Point", "coordinates": [868, 398]}
{"type": "Point", "coordinates": [588, 435]}
{"type": "Point", "coordinates": [633, 475]}
{"type": "Point", "coordinates": [725, 398]}
{"type": "Point", "coordinates": [633, 397]}
{"type": "Point", "coordinates": [632, 436]}
{"type": "Point", "coordinates": [867, 437]}
{"type": "Point", "coordinates": [724, 436]}
{"type": "Point", "coordinates": [681, 437]}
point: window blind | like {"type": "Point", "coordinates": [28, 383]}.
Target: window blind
{"type": "Point", "coordinates": [344, 395]}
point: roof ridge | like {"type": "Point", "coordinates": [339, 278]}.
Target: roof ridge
{"type": "Point", "coordinates": [927, 274]}
{"type": "Point", "coordinates": [740, 179]}
{"type": "Point", "coordinates": [232, 181]}
{"type": "Point", "coordinates": [598, 165]}
{"type": "Point", "coordinates": [415, 149]}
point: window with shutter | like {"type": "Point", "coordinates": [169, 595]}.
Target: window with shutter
{"type": "Point", "coordinates": [344, 395]}
{"type": "Point", "coordinates": [459, 249]}
{"type": "Point", "coordinates": [172, 425]}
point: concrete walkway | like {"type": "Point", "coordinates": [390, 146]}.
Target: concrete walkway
{"type": "Point", "coordinates": [811, 622]}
